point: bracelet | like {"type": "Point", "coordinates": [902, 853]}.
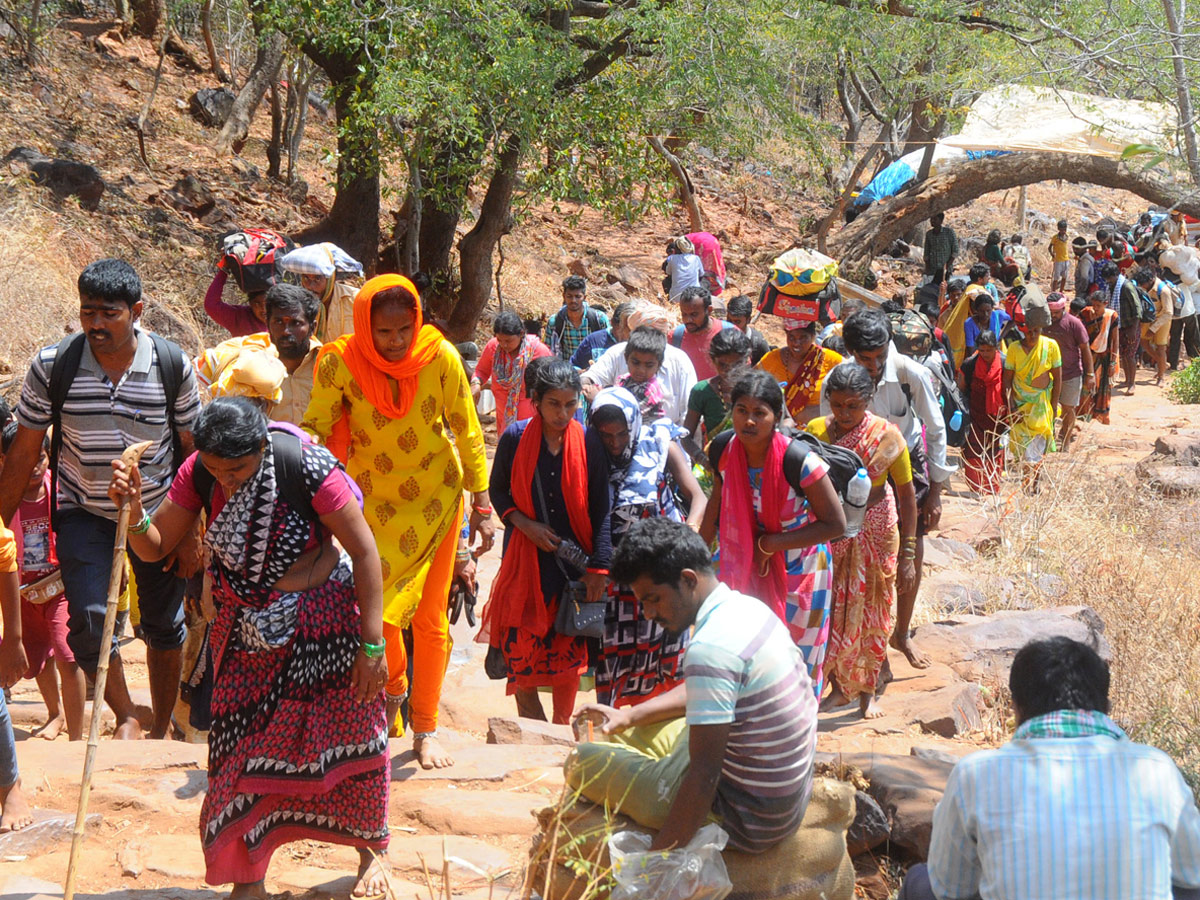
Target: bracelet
{"type": "Point", "coordinates": [462, 555]}
{"type": "Point", "coordinates": [485, 511]}
{"type": "Point", "coordinates": [422, 735]}
{"type": "Point", "coordinates": [909, 556]}
{"type": "Point", "coordinates": [758, 544]}
{"type": "Point", "coordinates": [910, 542]}
{"type": "Point", "coordinates": [142, 526]}
{"type": "Point", "coordinates": [373, 651]}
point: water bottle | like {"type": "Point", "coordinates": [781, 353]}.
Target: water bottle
{"type": "Point", "coordinates": [855, 506]}
{"type": "Point", "coordinates": [956, 420]}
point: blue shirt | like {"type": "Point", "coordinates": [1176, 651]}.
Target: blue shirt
{"type": "Point", "coordinates": [592, 348]}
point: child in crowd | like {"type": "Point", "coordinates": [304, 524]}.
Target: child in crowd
{"type": "Point", "coordinates": [1019, 253]}
{"type": "Point", "coordinates": [644, 354]}
{"type": "Point", "coordinates": [708, 403]}
{"type": "Point", "coordinates": [44, 605]}
{"type": "Point", "coordinates": [683, 268]}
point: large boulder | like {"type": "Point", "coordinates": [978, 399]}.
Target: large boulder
{"type": "Point", "coordinates": [211, 106]}
{"type": "Point", "coordinates": [65, 177]}
{"type": "Point", "coordinates": [1173, 469]}
{"type": "Point", "coordinates": [907, 788]}
{"type": "Point", "coordinates": [981, 648]}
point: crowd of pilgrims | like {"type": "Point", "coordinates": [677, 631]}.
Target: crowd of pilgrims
{"type": "Point", "coordinates": [317, 490]}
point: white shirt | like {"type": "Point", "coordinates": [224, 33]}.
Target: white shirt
{"type": "Point", "coordinates": [677, 377]}
{"type": "Point", "coordinates": [892, 403]}
{"type": "Point", "coordinates": [684, 270]}
{"type": "Point", "coordinates": [1065, 818]}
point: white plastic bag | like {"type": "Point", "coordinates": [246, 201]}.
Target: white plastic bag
{"type": "Point", "coordinates": [696, 872]}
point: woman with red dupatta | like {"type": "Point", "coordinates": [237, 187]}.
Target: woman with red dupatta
{"type": "Point", "coordinates": [775, 521]}
{"type": "Point", "coordinates": [982, 381]}
{"type": "Point", "coordinates": [800, 367]}
{"type": "Point", "coordinates": [550, 487]}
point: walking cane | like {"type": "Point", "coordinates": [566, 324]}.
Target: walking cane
{"type": "Point", "coordinates": [130, 458]}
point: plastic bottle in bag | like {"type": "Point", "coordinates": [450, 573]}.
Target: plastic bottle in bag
{"type": "Point", "coordinates": [855, 506]}
{"type": "Point", "coordinates": [694, 872]}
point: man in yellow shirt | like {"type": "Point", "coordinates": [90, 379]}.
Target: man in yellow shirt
{"type": "Point", "coordinates": [1060, 254]}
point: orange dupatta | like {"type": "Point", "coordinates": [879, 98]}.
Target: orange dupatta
{"type": "Point", "coordinates": [374, 373]}
{"type": "Point", "coordinates": [516, 600]}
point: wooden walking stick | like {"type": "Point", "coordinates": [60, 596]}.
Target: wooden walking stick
{"type": "Point", "coordinates": [130, 457]}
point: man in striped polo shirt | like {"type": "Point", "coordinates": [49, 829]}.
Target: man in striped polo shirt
{"type": "Point", "coordinates": [745, 755]}
{"type": "Point", "coordinates": [1070, 808]}
{"type": "Point", "coordinates": [117, 398]}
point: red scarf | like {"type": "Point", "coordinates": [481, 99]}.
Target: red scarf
{"type": "Point", "coordinates": [739, 531]}
{"type": "Point", "coordinates": [516, 600]}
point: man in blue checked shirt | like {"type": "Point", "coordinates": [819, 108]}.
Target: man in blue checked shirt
{"type": "Point", "coordinates": [1070, 808]}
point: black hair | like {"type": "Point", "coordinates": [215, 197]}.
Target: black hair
{"type": "Point", "coordinates": [1144, 276]}
{"type": "Point", "coordinates": [850, 376]}
{"type": "Point", "coordinates": [645, 339]}
{"type": "Point", "coordinates": [600, 415]}
{"type": "Point", "coordinates": [1058, 673]}
{"type": "Point", "coordinates": [981, 298]}
{"type": "Point", "coordinates": [660, 549]}
{"type": "Point", "coordinates": [533, 326]}
{"type": "Point", "coordinates": [531, 371]}
{"type": "Point", "coordinates": [978, 272]}
{"type": "Point", "coordinates": [1108, 269]}
{"type": "Point", "coordinates": [938, 215]}
{"type": "Point", "coordinates": [401, 296]}
{"type": "Point", "coordinates": [111, 279]}
{"type": "Point", "coordinates": [729, 341]}
{"type": "Point", "coordinates": [835, 343]}
{"type": "Point", "coordinates": [957, 283]}
{"type": "Point", "coordinates": [508, 323]}
{"type": "Point", "coordinates": [987, 338]}
{"type": "Point", "coordinates": [851, 305]}
{"type": "Point", "coordinates": [230, 427]}
{"type": "Point", "coordinates": [869, 329]}
{"type": "Point", "coordinates": [994, 236]}
{"type": "Point", "coordinates": [1102, 233]}
{"type": "Point", "coordinates": [621, 312]}
{"type": "Point", "coordinates": [9, 434]}
{"type": "Point", "coordinates": [5, 412]}
{"type": "Point", "coordinates": [758, 385]}
{"type": "Point", "coordinates": [1016, 239]}
{"type": "Point", "coordinates": [1062, 223]}
{"type": "Point", "coordinates": [555, 374]}
{"type": "Point", "coordinates": [421, 281]}
{"type": "Point", "coordinates": [1077, 305]}
{"type": "Point", "coordinates": [895, 305]}
{"type": "Point", "coordinates": [575, 283]}
{"type": "Point", "coordinates": [290, 298]}
{"type": "Point", "coordinates": [696, 292]}
{"type": "Point", "coordinates": [741, 305]}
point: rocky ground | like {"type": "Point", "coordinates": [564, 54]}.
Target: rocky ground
{"type": "Point", "coordinates": [472, 824]}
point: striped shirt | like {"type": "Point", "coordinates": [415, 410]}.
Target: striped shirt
{"type": "Point", "coordinates": [100, 419]}
{"type": "Point", "coordinates": [1091, 817]}
{"type": "Point", "coordinates": [742, 668]}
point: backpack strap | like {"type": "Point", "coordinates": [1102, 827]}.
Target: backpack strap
{"type": "Point", "coordinates": [716, 448]}
{"type": "Point", "coordinates": [594, 322]}
{"type": "Point", "coordinates": [67, 357]}
{"type": "Point", "coordinates": [793, 465]}
{"type": "Point", "coordinates": [171, 363]}
{"type": "Point", "coordinates": [289, 476]}
{"type": "Point", "coordinates": [677, 337]}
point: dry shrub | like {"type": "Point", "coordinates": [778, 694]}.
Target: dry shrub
{"type": "Point", "coordinates": [1096, 537]}
{"type": "Point", "coordinates": [39, 254]}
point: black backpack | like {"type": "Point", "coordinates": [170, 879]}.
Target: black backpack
{"type": "Point", "coordinates": [289, 475]}
{"type": "Point", "coordinates": [1147, 310]}
{"type": "Point", "coordinates": [951, 400]}
{"type": "Point", "coordinates": [62, 375]}
{"type": "Point", "coordinates": [843, 463]}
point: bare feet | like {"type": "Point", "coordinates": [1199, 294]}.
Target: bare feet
{"type": "Point", "coordinates": [393, 707]}
{"type": "Point", "coordinates": [128, 730]}
{"type": "Point", "coordinates": [835, 699]}
{"type": "Point", "coordinates": [15, 813]}
{"type": "Point", "coordinates": [52, 729]}
{"type": "Point", "coordinates": [372, 876]}
{"type": "Point", "coordinates": [868, 707]}
{"type": "Point", "coordinates": [884, 678]}
{"type": "Point", "coordinates": [431, 754]}
{"type": "Point", "coordinates": [254, 890]}
{"type": "Point", "coordinates": [916, 658]}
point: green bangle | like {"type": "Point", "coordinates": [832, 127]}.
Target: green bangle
{"type": "Point", "coordinates": [142, 526]}
{"type": "Point", "coordinates": [373, 651]}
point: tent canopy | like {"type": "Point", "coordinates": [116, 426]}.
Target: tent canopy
{"type": "Point", "coordinates": [1016, 117]}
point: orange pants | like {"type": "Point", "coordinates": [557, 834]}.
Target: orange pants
{"type": "Point", "coordinates": [431, 641]}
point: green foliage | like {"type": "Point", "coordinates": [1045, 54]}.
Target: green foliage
{"type": "Point", "coordinates": [1184, 386]}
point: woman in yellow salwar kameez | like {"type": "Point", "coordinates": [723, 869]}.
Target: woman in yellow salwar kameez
{"type": "Point", "coordinates": [382, 401]}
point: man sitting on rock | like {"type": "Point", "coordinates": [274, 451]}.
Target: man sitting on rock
{"type": "Point", "coordinates": [744, 750]}
{"type": "Point", "coordinates": [1069, 808]}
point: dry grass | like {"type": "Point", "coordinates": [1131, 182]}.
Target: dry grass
{"type": "Point", "coordinates": [1096, 537]}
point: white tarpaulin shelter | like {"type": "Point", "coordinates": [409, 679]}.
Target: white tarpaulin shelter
{"type": "Point", "coordinates": [1016, 117]}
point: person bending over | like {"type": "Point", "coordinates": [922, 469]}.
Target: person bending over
{"type": "Point", "coordinates": [736, 739]}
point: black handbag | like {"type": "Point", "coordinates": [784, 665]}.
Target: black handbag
{"type": "Point", "coordinates": [576, 616]}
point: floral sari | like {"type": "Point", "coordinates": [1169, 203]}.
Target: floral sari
{"type": "Point", "coordinates": [1102, 330]}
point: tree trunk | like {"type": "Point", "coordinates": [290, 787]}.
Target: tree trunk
{"type": "Point", "coordinates": [214, 59]}
{"type": "Point", "coordinates": [445, 181]}
{"type": "Point", "coordinates": [478, 244]}
{"type": "Point", "coordinates": [275, 147]}
{"type": "Point", "coordinates": [687, 193]}
{"type": "Point", "coordinates": [1183, 87]}
{"type": "Point", "coordinates": [124, 12]}
{"type": "Point", "coordinates": [877, 227]}
{"type": "Point", "coordinates": [410, 253]}
{"type": "Point", "coordinates": [297, 114]}
{"type": "Point", "coordinates": [149, 18]}
{"type": "Point", "coordinates": [844, 195]}
{"type": "Point", "coordinates": [353, 220]}
{"type": "Point", "coordinates": [267, 61]}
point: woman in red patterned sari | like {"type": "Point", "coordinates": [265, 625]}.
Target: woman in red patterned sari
{"type": "Point", "coordinates": [298, 745]}
{"type": "Point", "coordinates": [800, 368]}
